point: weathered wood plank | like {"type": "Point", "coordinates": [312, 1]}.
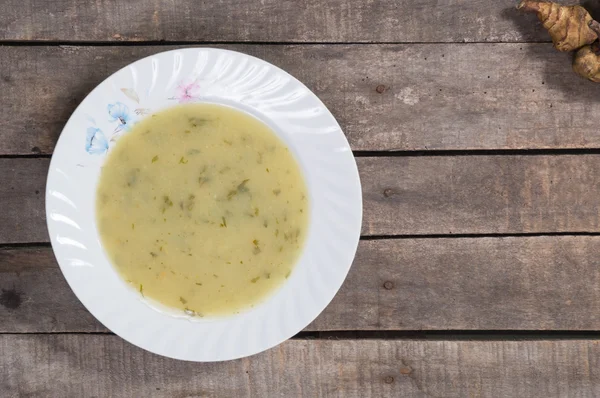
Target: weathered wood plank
{"type": "Point", "coordinates": [271, 20]}
{"type": "Point", "coordinates": [404, 195]}
{"type": "Point", "coordinates": [480, 194]}
{"type": "Point", "coordinates": [534, 283]}
{"type": "Point", "coordinates": [438, 96]}
{"type": "Point", "coordinates": [97, 365]}
{"type": "Point", "coordinates": [22, 185]}
{"type": "Point", "coordinates": [35, 297]}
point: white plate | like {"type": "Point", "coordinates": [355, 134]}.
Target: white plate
{"type": "Point", "coordinates": [249, 84]}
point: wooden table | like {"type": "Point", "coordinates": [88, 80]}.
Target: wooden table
{"type": "Point", "coordinates": [478, 274]}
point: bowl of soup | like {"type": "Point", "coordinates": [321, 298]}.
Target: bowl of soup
{"type": "Point", "coordinates": [203, 204]}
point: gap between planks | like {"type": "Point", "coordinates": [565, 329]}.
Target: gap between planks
{"type": "Point", "coordinates": [415, 153]}
{"type": "Point", "coordinates": [75, 43]}
{"type": "Point", "coordinates": [34, 245]}
{"type": "Point", "coordinates": [401, 335]}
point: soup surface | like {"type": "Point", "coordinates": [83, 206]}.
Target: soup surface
{"type": "Point", "coordinates": [202, 208]}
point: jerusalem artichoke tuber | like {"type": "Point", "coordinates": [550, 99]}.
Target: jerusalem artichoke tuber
{"type": "Point", "coordinates": [587, 60]}
{"type": "Point", "coordinates": [568, 25]}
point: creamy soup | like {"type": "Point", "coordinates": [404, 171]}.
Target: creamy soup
{"type": "Point", "coordinates": [202, 208]}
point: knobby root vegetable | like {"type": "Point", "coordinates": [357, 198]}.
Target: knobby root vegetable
{"type": "Point", "coordinates": [568, 25]}
{"type": "Point", "coordinates": [587, 60]}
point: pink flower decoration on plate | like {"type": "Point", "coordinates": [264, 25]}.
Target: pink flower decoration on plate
{"type": "Point", "coordinates": [187, 92]}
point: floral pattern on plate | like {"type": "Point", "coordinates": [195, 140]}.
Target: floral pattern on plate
{"type": "Point", "coordinates": [96, 142]}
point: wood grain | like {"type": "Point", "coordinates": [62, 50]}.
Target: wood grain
{"type": "Point", "coordinates": [22, 185]}
{"type": "Point", "coordinates": [96, 365]}
{"type": "Point", "coordinates": [534, 283]}
{"type": "Point", "coordinates": [480, 194]}
{"type": "Point", "coordinates": [435, 97]}
{"type": "Point", "coordinates": [271, 20]}
{"type": "Point", "coordinates": [403, 195]}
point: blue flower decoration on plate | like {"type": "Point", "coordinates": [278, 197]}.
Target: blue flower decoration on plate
{"type": "Point", "coordinates": [95, 141]}
{"type": "Point", "coordinates": [119, 112]}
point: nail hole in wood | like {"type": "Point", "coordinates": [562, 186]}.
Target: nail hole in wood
{"type": "Point", "coordinates": [388, 192]}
